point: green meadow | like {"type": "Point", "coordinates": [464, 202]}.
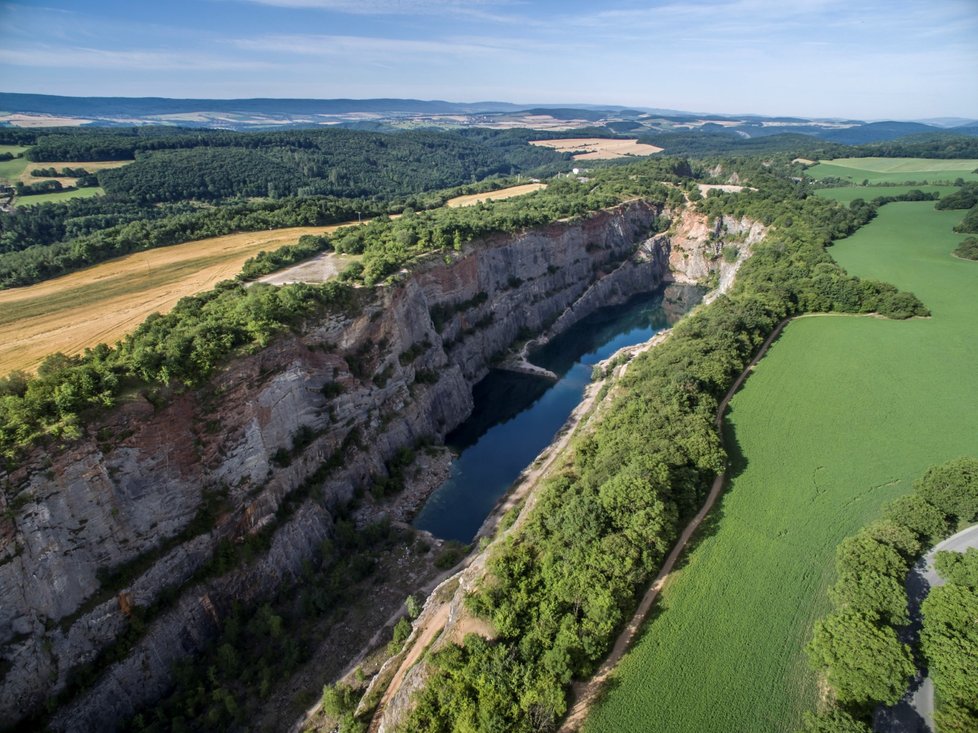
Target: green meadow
{"type": "Point", "coordinates": [44, 198]}
{"type": "Point", "coordinates": [895, 170]}
{"type": "Point", "coordinates": [845, 194]}
{"type": "Point", "coordinates": [841, 416]}
{"type": "Point", "coordinates": [10, 169]}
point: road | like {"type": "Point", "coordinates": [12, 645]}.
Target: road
{"type": "Point", "coordinates": [915, 712]}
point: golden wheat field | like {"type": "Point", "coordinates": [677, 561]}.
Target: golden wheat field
{"type": "Point", "coordinates": [104, 302]}
{"type": "Point", "coordinates": [503, 193]}
{"type": "Point", "coordinates": [597, 148]}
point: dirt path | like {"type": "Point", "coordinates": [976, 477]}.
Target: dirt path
{"type": "Point", "coordinates": [432, 628]}
{"type": "Point", "coordinates": [586, 693]}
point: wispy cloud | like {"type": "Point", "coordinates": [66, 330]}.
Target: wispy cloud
{"type": "Point", "coordinates": [476, 9]}
{"type": "Point", "coordinates": [59, 57]}
{"type": "Point", "coordinates": [375, 49]}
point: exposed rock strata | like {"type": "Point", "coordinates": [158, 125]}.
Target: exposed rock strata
{"type": "Point", "coordinates": [694, 247]}
{"type": "Point", "coordinates": [127, 493]}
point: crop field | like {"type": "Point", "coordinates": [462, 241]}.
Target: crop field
{"type": "Point", "coordinates": [91, 166]}
{"type": "Point", "coordinates": [11, 169]}
{"type": "Point", "coordinates": [845, 194]}
{"type": "Point", "coordinates": [104, 302]}
{"type": "Point", "coordinates": [597, 148]}
{"type": "Point", "coordinates": [503, 193]}
{"type": "Point", "coordinates": [57, 196]}
{"type": "Point", "coordinates": [895, 170]}
{"type": "Point", "coordinates": [841, 416]}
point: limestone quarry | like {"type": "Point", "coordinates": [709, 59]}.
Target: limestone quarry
{"type": "Point", "coordinates": [130, 515]}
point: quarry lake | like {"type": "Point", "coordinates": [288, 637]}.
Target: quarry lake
{"type": "Point", "coordinates": [516, 416]}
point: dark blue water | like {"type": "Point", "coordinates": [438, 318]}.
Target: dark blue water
{"type": "Point", "coordinates": [516, 416]}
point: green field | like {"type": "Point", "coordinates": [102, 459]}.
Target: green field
{"type": "Point", "coordinates": [840, 416]}
{"type": "Point", "coordinates": [10, 169]}
{"type": "Point", "coordinates": [44, 198]}
{"type": "Point", "coordinates": [845, 194]}
{"type": "Point", "coordinates": [895, 170]}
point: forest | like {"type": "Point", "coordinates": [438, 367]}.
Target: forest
{"type": "Point", "coordinates": [187, 185]}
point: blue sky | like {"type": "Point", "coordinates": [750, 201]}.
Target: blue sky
{"type": "Point", "coordinates": [831, 58]}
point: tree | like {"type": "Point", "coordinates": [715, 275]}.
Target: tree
{"type": "Point", "coordinates": [916, 513]}
{"type": "Point", "coordinates": [953, 488]}
{"type": "Point", "coordinates": [864, 664]}
{"type": "Point", "coordinates": [950, 642]}
{"type": "Point", "coordinates": [832, 721]}
{"type": "Point", "coordinates": [959, 568]}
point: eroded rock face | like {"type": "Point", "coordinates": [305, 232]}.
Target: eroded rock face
{"type": "Point", "coordinates": [150, 492]}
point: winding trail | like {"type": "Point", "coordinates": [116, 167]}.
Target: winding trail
{"type": "Point", "coordinates": [585, 693]}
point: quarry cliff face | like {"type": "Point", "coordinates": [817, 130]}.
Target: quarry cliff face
{"type": "Point", "coordinates": [129, 517]}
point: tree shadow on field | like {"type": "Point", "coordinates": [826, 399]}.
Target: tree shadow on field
{"type": "Point", "coordinates": [736, 464]}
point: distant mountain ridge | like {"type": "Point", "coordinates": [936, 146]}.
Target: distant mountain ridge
{"type": "Point", "coordinates": [388, 114]}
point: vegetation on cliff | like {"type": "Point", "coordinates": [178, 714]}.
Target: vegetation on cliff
{"type": "Point", "coordinates": [560, 587]}
{"type": "Point", "coordinates": [188, 343]}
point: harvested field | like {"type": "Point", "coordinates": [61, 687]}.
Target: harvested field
{"type": "Point", "coordinates": [502, 193]}
{"type": "Point", "coordinates": [596, 148]}
{"type": "Point", "coordinates": [103, 303]}
{"type": "Point", "coordinates": [37, 120]}
{"type": "Point", "coordinates": [91, 166]}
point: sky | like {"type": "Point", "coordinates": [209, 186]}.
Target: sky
{"type": "Point", "coordinates": [866, 59]}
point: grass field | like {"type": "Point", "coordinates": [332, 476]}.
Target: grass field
{"type": "Point", "coordinates": [106, 301]}
{"type": "Point", "coordinates": [841, 415]}
{"type": "Point", "coordinates": [57, 196]}
{"type": "Point", "coordinates": [846, 194]}
{"type": "Point", "coordinates": [597, 148]}
{"type": "Point", "coordinates": [895, 170]}
{"type": "Point", "coordinates": [10, 170]}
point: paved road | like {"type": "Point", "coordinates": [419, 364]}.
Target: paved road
{"type": "Point", "coordinates": [915, 712]}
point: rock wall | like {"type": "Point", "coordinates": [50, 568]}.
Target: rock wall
{"type": "Point", "coordinates": [149, 493]}
{"type": "Point", "coordinates": [693, 250]}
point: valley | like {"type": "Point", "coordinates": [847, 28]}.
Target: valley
{"type": "Point", "coordinates": [424, 431]}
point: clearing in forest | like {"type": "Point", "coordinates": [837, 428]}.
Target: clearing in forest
{"type": "Point", "coordinates": [598, 148]}
{"type": "Point", "coordinates": [104, 302]}
{"type": "Point", "coordinates": [11, 169]}
{"type": "Point", "coordinates": [895, 170]}
{"type": "Point", "coordinates": [839, 417]}
{"type": "Point", "coordinates": [92, 166]}
{"type": "Point", "coordinates": [503, 193]}
{"type": "Point", "coordinates": [59, 196]}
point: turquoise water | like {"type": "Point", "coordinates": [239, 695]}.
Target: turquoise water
{"type": "Point", "coordinates": [516, 416]}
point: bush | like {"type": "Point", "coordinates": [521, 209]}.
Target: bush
{"type": "Point", "coordinates": [968, 249]}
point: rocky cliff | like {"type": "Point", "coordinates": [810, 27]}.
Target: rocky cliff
{"type": "Point", "coordinates": [127, 520]}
